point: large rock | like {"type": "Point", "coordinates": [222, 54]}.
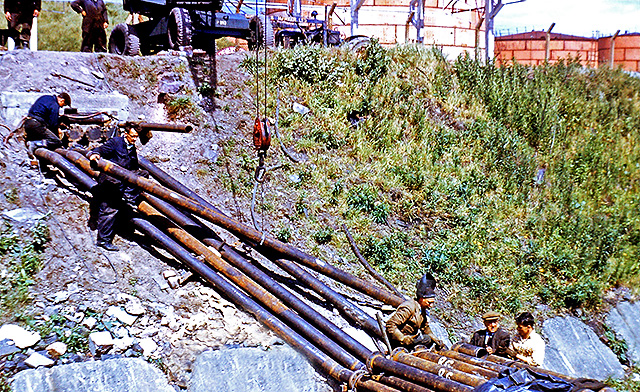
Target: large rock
{"type": "Point", "coordinates": [624, 319]}
{"type": "Point", "coordinates": [278, 369]}
{"type": "Point", "coordinates": [15, 105]}
{"type": "Point", "coordinates": [115, 375]}
{"type": "Point", "coordinates": [575, 350]}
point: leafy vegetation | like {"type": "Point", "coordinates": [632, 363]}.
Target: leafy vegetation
{"type": "Point", "coordinates": [515, 184]}
{"type": "Point", "coordinates": [20, 260]}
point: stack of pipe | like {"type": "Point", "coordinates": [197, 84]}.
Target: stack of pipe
{"type": "Point", "coordinates": [172, 216]}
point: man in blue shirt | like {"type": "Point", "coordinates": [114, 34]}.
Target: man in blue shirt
{"type": "Point", "coordinates": [43, 120]}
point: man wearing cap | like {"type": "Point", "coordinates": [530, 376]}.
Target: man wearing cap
{"type": "Point", "coordinates": [495, 339]}
{"type": "Point", "coordinates": [408, 326]}
{"type": "Point", "coordinates": [41, 124]}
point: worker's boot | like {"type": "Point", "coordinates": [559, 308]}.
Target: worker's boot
{"type": "Point", "coordinates": [34, 145]}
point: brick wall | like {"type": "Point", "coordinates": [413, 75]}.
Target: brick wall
{"type": "Point", "coordinates": [386, 20]}
{"type": "Point", "coordinates": [626, 52]}
{"type": "Point", "coordinates": [532, 51]}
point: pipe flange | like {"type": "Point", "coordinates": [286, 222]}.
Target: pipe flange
{"type": "Point", "coordinates": [372, 357]}
{"type": "Point", "coordinates": [355, 378]}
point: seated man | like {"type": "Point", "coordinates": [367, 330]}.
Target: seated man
{"type": "Point", "coordinates": [527, 346]}
{"type": "Point", "coordinates": [408, 326]}
{"type": "Point", "coordinates": [495, 339]}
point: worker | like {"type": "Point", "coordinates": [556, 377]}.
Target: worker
{"type": "Point", "coordinates": [94, 23]}
{"type": "Point", "coordinates": [493, 338]}
{"type": "Point", "coordinates": [113, 196]}
{"type": "Point", "coordinates": [408, 326]}
{"type": "Point", "coordinates": [20, 14]}
{"type": "Point", "coordinates": [527, 346]}
{"type": "Point", "coordinates": [43, 120]}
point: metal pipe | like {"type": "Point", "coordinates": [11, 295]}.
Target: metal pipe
{"type": "Point", "coordinates": [263, 243]}
{"type": "Point", "coordinates": [455, 364]}
{"type": "Point", "coordinates": [83, 179]}
{"type": "Point", "coordinates": [470, 349]}
{"type": "Point", "coordinates": [479, 362]}
{"type": "Point", "coordinates": [313, 354]}
{"type": "Point", "coordinates": [145, 126]}
{"type": "Point", "coordinates": [375, 359]}
{"type": "Point", "coordinates": [447, 372]}
{"type": "Point", "coordinates": [258, 293]}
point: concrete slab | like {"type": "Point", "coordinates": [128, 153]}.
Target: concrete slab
{"type": "Point", "coordinates": [278, 369]}
{"type": "Point", "coordinates": [114, 375]}
{"type": "Point", "coordinates": [575, 349]}
{"type": "Point", "coordinates": [15, 105]}
{"type": "Point", "coordinates": [624, 319]}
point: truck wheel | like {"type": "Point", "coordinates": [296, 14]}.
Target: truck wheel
{"type": "Point", "coordinates": [261, 32]}
{"type": "Point", "coordinates": [358, 42]}
{"type": "Point", "coordinates": [179, 29]}
{"type": "Point", "coordinates": [124, 42]}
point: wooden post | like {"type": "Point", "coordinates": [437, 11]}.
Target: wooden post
{"type": "Point", "coordinates": [329, 15]}
{"type": "Point", "coordinates": [477, 46]}
{"type": "Point", "coordinates": [407, 26]}
{"type": "Point", "coordinates": [546, 45]}
{"type": "Point", "coordinates": [613, 48]}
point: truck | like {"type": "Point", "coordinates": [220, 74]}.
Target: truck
{"type": "Point", "coordinates": [184, 24]}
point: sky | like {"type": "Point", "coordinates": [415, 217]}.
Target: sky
{"type": "Point", "coordinates": [575, 17]}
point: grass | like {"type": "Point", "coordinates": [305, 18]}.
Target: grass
{"type": "Point", "coordinates": [517, 184]}
{"type": "Point", "coordinates": [20, 261]}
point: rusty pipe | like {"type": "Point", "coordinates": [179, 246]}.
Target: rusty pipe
{"type": "Point", "coordinates": [312, 353]}
{"type": "Point", "coordinates": [447, 372]}
{"type": "Point", "coordinates": [479, 362]}
{"type": "Point", "coordinates": [308, 313]}
{"type": "Point", "coordinates": [470, 349]}
{"type": "Point", "coordinates": [264, 244]}
{"type": "Point", "coordinates": [83, 179]}
{"type": "Point", "coordinates": [146, 126]}
{"type": "Point", "coordinates": [209, 238]}
{"type": "Point", "coordinates": [455, 364]}
{"type": "Point", "coordinates": [259, 294]}
{"type": "Point", "coordinates": [375, 359]}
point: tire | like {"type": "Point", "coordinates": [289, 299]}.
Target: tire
{"type": "Point", "coordinates": [124, 41]}
{"type": "Point", "coordinates": [261, 33]}
{"type": "Point", "coordinates": [179, 30]}
{"type": "Point", "coordinates": [358, 42]}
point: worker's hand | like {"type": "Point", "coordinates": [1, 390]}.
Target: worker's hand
{"type": "Point", "coordinates": [7, 15]}
{"type": "Point", "coordinates": [105, 25]}
{"type": "Point", "coordinates": [510, 353]}
{"type": "Point", "coordinates": [36, 13]}
{"type": "Point", "coordinates": [407, 340]}
{"type": "Point", "coordinates": [83, 13]}
{"type": "Point", "coordinates": [439, 344]}
{"type": "Point", "coordinates": [489, 349]}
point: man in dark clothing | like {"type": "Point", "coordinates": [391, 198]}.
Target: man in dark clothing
{"type": "Point", "coordinates": [43, 120]}
{"type": "Point", "coordinates": [408, 326]}
{"type": "Point", "coordinates": [20, 14]}
{"type": "Point", "coordinates": [495, 339]}
{"type": "Point", "coordinates": [94, 23]}
{"type": "Point", "coordinates": [114, 196]}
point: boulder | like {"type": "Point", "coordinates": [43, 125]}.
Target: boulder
{"type": "Point", "coordinates": [624, 320]}
{"type": "Point", "coordinates": [277, 369]}
{"type": "Point", "coordinates": [115, 375]}
{"type": "Point", "coordinates": [574, 349]}
{"type": "Point", "coordinates": [20, 336]}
